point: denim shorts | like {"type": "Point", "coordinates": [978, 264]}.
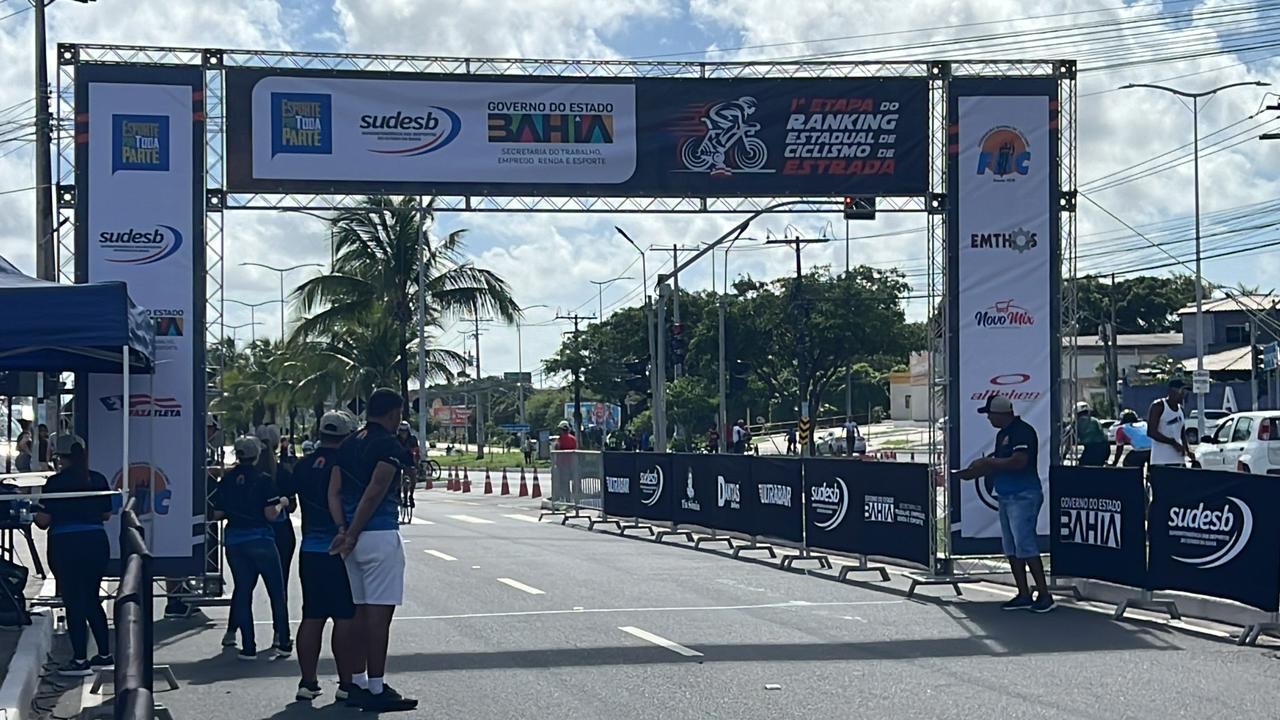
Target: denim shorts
{"type": "Point", "coordinates": [1019, 512]}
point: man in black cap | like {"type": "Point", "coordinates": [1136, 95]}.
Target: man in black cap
{"type": "Point", "coordinates": [1166, 423]}
{"type": "Point", "coordinates": [1015, 472]}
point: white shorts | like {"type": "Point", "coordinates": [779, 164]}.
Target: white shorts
{"type": "Point", "coordinates": [376, 568]}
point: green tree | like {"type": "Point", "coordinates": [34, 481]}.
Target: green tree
{"type": "Point", "coordinates": [375, 273]}
{"type": "Point", "coordinates": [1144, 304]}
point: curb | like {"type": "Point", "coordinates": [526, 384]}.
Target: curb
{"type": "Point", "coordinates": [24, 668]}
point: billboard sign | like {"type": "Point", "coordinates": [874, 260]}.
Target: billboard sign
{"type": "Point", "coordinates": [348, 131]}
{"type": "Point", "coordinates": [451, 415]}
{"type": "Point", "coordinates": [597, 414]}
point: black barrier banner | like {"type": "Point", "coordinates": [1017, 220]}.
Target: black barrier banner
{"type": "Point", "coordinates": [1098, 520]}
{"type": "Point", "coordinates": [773, 498]}
{"type": "Point", "coordinates": [654, 481]}
{"type": "Point", "coordinates": [362, 132]}
{"type": "Point", "coordinates": [868, 508]}
{"type": "Point", "coordinates": [695, 489]}
{"type": "Point", "coordinates": [732, 494]}
{"type": "Point", "coordinates": [620, 487]}
{"type": "Point", "coordinates": [1216, 533]}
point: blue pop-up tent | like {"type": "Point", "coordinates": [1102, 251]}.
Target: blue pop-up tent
{"type": "Point", "coordinates": [72, 328]}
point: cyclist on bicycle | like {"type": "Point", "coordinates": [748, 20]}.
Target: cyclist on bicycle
{"type": "Point", "coordinates": [723, 119]}
{"type": "Point", "coordinates": [409, 441]}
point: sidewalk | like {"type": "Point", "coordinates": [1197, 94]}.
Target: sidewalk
{"type": "Point", "coordinates": [23, 650]}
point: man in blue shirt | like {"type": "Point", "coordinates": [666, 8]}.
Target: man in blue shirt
{"type": "Point", "coordinates": [1014, 469]}
{"type": "Point", "coordinates": [326, 592]}
{"type": "Point", "coordinates": [369, 466]}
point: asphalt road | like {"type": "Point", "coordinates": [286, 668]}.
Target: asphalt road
{"type": "Point", "coordinates": [509, 618]}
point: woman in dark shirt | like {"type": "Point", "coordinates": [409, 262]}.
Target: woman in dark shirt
{"type": "Point", "coordinates": [247, 499]}
{"type": "Point", "coordinates": [78, 552]}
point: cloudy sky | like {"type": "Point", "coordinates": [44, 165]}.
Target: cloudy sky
{"type": "Point", "coordinates": [1134, 159]}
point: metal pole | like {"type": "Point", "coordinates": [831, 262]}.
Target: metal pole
{"type": "Point", "coordinates": [479, 406]}
{"type": "Point", "coordinates": [1195, 122]}
{"type": "Point", "coordinates": [1253, 366]}
{"type": "Point", "coordinates": [653, 362]}
{"type": "Point", "coordinates": [848, 374]}
{"type": "Point", "coordinates": [253, 325]}
{"type": "Point", "coordinates": [802, 351]}
{"type": "Point", "coordinates": [677, 369]}
{"type": "Point", "coordinates": [520, 381]}
{"type": "Point", "coordinates": [600, 301]}
{"type": "Point", "coordinates": [422, 323]}
{"type": "Point", "coordinates": [281, 274]}
{"type": "Point", "coordinates": [723, 418]}
{"type": "Point", "coordinates": [660, 374]}
{"type": "Point", "coordinates": [46, 265]}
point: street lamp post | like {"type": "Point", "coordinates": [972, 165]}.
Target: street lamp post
{"type": "Point", "coordinates": [600, 285]}
{"type": "Point", "coordinates": [281, 271]}
{"type": "Point", "coordinates": [234, 328]}
{"type": "Point", "coordinates": [648, 324]}
{"type": "Point", "coordinates": [520, 373]}
{"type": "Point", "coordinates": [253, 307]}
{"type": "Point", "coordinates": [333, 231]}
{"type": "Point", "coordinates": [1195, 128]}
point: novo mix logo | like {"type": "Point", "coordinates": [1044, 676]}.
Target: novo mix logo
{"type": "Point", "coordinates": [139, 142]}
{"type": "Point", "coordinates": [651, 483]}
{"type": "Point", "coordinates": [412, 133]}
{"type": "Point", "coordinates": [1005, 153]}
{"type": "Point", "coordinates": [301, 124]}
{"type": "Point", "coordinates": [829, 504]}
{"type": "Point", "coordinates": [1004, 314]}
{"type": "Point", "coordinates": [140, 247]}
{"type": "Point", "coordinates": [1223, 534]}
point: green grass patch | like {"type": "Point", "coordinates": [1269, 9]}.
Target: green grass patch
{"type": "Point", "coordinates": [492, 461]}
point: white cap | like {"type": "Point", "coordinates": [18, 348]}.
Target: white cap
{"type": "Point", "coordinates": [997, 404]}
{"type": "Point", "coordinates": [247, 448]}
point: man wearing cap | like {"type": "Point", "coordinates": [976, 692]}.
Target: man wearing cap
{"type": "Point", "coordinates": [1166, 424]}
{"type": "Point", "coordinates": [1014, 469]}
{"type": "Point", "coordinates": [326, 591]}
{"type": "Point", "coordinates": [1090, 434]}
{"type": "Point", "coordinates": [565, 440]}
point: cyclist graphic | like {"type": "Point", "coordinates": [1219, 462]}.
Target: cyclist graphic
{"type": "Point", "coordinates": [728, 135]}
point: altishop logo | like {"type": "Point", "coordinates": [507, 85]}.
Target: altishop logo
{"type": "Point", "coordinates": [140, 247]}
{"type": "Point", "coordinates": [1008, 385]}
{"type": "Point", "coordinates": [301, 124]}
{"type": "Point", "coordinates": [1019, 240]}
{"type": "Point", "coordinates": [829, 504]}
{"type": "Point", "coordinates": [412, 133]}
{"type": "Point", "coordinates": [651, 483]}
{"type": "Point", "coordinates": [1223, 534]}
{"type": "Point", "coordinates": [1005, 154]}
{"type": "Point", "coordinates": [1004, 314]}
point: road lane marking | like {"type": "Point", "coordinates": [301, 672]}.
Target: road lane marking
{"type": "Point", "coordinates": [471, 519]}
{"type": "Point", "coordinates": [521, 586]}
{"type": "Point", "coordinates": [443, 556]}
{"type": "Point", "coordinates": [660, 641]}
{"type": "Point", "coordinates": [526, 518]}
{"type": "Point", "coordinates": [415, 520]}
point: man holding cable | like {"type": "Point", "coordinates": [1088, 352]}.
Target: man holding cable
{"type": "Point", "coordinates": [365, 483]}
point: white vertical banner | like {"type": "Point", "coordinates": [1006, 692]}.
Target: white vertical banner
{"type": "Point", "coordinates": [1004, 280]}
{"type": "Point", "coordinates": [137, 178]}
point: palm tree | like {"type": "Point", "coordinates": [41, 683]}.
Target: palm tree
{"type": "Point", "coordinates": [375, 275]}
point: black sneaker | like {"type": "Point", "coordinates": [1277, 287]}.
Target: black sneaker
{"type": "Point", "coordinates": [344, 690]}
{"type": "Point", "coordinates": [177, 609]}
{"type": "Point", "coordinates": [387, 701]}
{"type": "Point", "coordinates": [76, 668]}
{"type": "Point", "coordinates": [308, 690]}
{"type": "Point", "coordinates": [1021, 602]}
{"type": "Point", "coordinates": [354, 695]}
{"type": "Point", "coordinates": [282, 649]}
{"type": "Point", "coordinates": [1043, 604]}
{"type": "Point", "coordinates": [100, 661]}
{"type": "Point", "coordinates": [247, 655]}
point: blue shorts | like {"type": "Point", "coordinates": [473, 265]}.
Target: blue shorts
{"type": "Point", "coordinates": [1019, 512]}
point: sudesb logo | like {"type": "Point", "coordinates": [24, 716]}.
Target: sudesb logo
{"type": "Point", "coordinates": [651, 483]}
{"type": "Point", "coordinates": [829, 504]}
{"type": "Point", "coordinates": [1228, 531]}
{"type": "Point", "coordinates": [425, 132]}
{"type": "Point", "coordinates": [141, 247]}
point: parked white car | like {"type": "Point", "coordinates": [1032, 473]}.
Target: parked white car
{"type": "Point", "coordinates": [1245, 442]}
{"type": "Point", "coordinates": [832, 442]}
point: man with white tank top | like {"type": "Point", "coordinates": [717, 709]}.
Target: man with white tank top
{"type": "Point", "coordinates": [1166, 422]}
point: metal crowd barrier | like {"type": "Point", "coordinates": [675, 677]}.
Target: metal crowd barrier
{"type": "Point", "coordinates": [576, 485]}
{"type": "Point", "coordinates": [134, 623]}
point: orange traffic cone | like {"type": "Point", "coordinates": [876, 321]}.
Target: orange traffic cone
{"type": "Point", "coordinates": [537, 491]}
{"type": "Point", "coordinates": [506, 487]}
{"type": "Point", "coordinates": [488, 483]}
{"type": "Point", "coordinates": [466, 481]}
{"type": "Point", "coordinates": [452, 485]}
{"type": "Point", "coordinates": [524, 487]}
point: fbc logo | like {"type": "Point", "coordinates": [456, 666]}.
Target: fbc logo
{"type": "Point", "coordinates": [412, 133]}
{"type": "Point", "coordinates": [139, 142]}
{"type": "Point", "coordinates": [149, 485]}
{"type": "Point", "coordinates": [140, 247]}
{"type": "Point", "coordinates": [1005, 154]}
{"type": "Point", "coordinates": [301, 124]}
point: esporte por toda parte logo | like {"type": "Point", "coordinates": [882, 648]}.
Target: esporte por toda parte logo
{"type": "Point", "coordinates": [140, 246]}
{"type": "Point", "coordinates": [139, 142]}
{"type": "Point", "coordinates": [301, 123]}
{"type": "Point", "coordinates": [1004, 314]}
{"type": "Point", "coordinates": [1004, 154]}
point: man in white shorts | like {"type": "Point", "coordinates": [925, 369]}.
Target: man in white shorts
{"type": "Point", "coordinates": [366, 479]}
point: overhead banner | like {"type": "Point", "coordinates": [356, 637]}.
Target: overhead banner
{"type": "Point", "coordinates": [140, 220]}
{"type": "Point", "coordinates": [1003, 274]}
{"type": "Point", "coordinates": [1217, 534]}
{"type": "Point", "coordinates": [357, 132]}
{"type": "Point", "coordinates": [1099, 520]}
{"type": "Point", "coordinates": [868, 508]}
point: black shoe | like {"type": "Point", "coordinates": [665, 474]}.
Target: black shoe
{"type": "Point", "coordinates": [1021, 602]}
{"type": "Point", "coordinates": [1043, 604]}
{"type": "Point", "coordinates": [387, 701]}
{"type": "Point", "coordinates": [344, 690]}
{"type": "Point", "coordinates": [247, 655]}
{"type": "Point", "coordinates": [282, 649]}
{"type": "Point", "coordinates": [354, 695]}
{"type": "Point", "coordinates": [308, 691]}
{"type": "Point", "coordinates": [98, 661]}
{"type": "Point", "coordinates": [76, 668]}
{"type": "Point", "coordinates": [177, 610]}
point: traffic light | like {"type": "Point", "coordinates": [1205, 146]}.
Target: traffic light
{"type": "Point", "coordinates": [1259, 364]}
{"type": "Point", "coordinates": [678, 344]}
{"type": "Point", "coordinates": [637, 379]}
{"type": "Point", "coordinates": [859, 207]}
{"type": "Point", "coordinates": [738, 373]}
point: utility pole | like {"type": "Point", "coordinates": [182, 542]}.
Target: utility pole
{"type": "Point", "coordinates": [677, 369]}
{"type": "Point", "coordinates": [1253, 366]}
{"type": "Point", "coordinates": [801, 307]}
{"type": "Point", "coordinates": [479, 405]}
{"type": "Point", "coordinates": [577, 370]}
{"type": "Point", "coordinates": [848, 374]}
{"type": "Point", "coordinates": [420, 260]}
{"type": "Point", "coordinates": [659, 372]}
{"type": "Point", "coordinates": [46, 266]}
{"type": "Point", "coordinates": [1112, 348]}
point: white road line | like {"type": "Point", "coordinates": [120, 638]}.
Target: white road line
{"type": "Point", "coordinates": [471, 519]}
{"type": "Point", "coordinates": [443, 556]}
{"type": "Point", "coordinates": [526, 518]}
{"type": "Point", "coordinates": [415, 520]}
{"type": "Point", "coordinates": [660, 641]}
{"type": "Point", "coordinates": [521, 586]}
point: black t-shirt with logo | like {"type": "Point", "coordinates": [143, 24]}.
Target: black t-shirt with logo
{"type": "Point", "coordinates": [358, 456]}
{"type": "Point", "coordinates": [243, 493]}
{"type": "Point", "coordinates": [311, 483]}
